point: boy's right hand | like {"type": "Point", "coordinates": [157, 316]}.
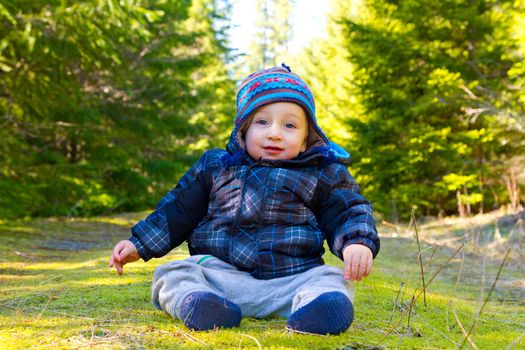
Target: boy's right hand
{"type": "Point", "coordinates": [123, 253]}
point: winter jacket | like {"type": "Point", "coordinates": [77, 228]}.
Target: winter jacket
{"type": "Point", "coordinates": [267, 217]}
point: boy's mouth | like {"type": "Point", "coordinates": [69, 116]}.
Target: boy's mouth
{"type": "Point", "coordinates": [273, 149]}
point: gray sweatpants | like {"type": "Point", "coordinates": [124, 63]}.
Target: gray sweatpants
{"type": "Point", "coordinates": [173, 281]}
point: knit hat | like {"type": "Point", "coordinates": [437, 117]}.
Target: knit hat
{"type": "Point", "coordinates": [278, 84]}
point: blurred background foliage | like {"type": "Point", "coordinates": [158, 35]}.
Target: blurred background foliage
{"type": "Point", "coordinates": [105, 103]}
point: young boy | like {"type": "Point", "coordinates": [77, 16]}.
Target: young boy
{"type": "Point", "coordinates": [256, 216]}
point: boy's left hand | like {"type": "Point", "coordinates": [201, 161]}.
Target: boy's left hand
{"type": "Point", "coordinates": [358, 262]}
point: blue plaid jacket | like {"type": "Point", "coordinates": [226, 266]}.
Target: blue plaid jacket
{"type": "Point", "coordinates": [266, 217]}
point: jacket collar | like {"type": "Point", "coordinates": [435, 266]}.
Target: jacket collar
{"type": "Point", "coordinates": [315, 156]}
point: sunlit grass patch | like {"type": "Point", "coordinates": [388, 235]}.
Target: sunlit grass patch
{"type": "Point", "coordinates": [68, 297]}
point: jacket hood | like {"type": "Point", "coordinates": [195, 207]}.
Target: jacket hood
{"type": "Point", "coordinates": [279, 84]}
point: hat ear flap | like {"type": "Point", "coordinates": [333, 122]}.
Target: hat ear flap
{"type": "Point", "coordinates": [313, 139]}
{"type": "Point", "coordinates": [240, 135]}
{"type": "Point", "coordinates": [304, 146]}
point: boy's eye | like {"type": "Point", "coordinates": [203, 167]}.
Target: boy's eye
{"type": "Point", "coordinates": [261, 122]}
{"type": "Point", "coordinates": [289, 125]}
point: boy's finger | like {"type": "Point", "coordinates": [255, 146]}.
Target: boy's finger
{"type": "Point", "coordinates": [111, 261]}
{"type": "Point", "coordinates": [119, 248]}
{"type": "Point", "coordinates": [347, 269]}
{"type": "Point", "coordinates": [125, 254]}
{"type": "Point", "coordinates": [114, 254]}
{"type": "Point", "coordinates": [117, 255]}
{"type": "Point", "coordinates": [355, 267]}
{"type": "Point", "coordinates": [115, 259]}
{"type": "Point", "coordinates": [361, 269]}
{"type": "Point", "coordinates": [118, 266]}
{"type": "Point", "coordinates": [368, 266]}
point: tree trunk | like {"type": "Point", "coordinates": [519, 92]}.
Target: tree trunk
{"type": "Point", "coordinates": [465, 191]}
{"type": "Point", "coordinates": [461, 208]}
{"type": "Point", "coordinates": [513, 189]}
{"type": "Point", "coordinates": [481, 179]}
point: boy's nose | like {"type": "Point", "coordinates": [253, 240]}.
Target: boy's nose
{"type": "Point", "coordinates": [274, 133]}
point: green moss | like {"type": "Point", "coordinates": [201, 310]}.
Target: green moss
{"type": "Point", "coordinates": [62, 295]}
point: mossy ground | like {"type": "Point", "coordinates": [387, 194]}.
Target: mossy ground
{"type": "Point", "coordinates": [56, 291]}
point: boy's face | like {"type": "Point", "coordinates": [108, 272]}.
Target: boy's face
{"type": "Point", "coordinates": [277, 131]}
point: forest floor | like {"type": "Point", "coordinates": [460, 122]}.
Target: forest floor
{"type": "Point", "coordinates": [56, 291]}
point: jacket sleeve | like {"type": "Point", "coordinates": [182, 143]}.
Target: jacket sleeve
{"type": "Point", "coordinates": [177, 214]}
{"type": "Point", "coordinates": [344, 215]}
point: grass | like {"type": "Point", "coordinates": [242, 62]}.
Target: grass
{"type": "Point", "coordinates": [57, 292]}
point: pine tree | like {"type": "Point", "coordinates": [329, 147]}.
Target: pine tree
{"type": "Point", "coordinates": [273, 32]}
{"type": "Point", "coordinates": [104, 103]}
{"type": "Point", "coordinates": [435, 80]}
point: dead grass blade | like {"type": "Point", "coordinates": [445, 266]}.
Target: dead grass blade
{"type": "Point", "coordinates": [419, 294]}
{"type": "Point", "coordinates": [183, 334]}
{"type": "Point", "coordinates": [515, 341]}
{"type": "Point", "coordinates": [434, 248]}
{"type": "Point", "coordinates": [400, 305]}
{"type": "Point", "coordinates": [449, 304]}
{"type": "Point", "coordinates": [475, 323]}
{"type": "Point", "coordinates": [413, 219]}
{"type": "Point", "coordinates": [251, 337]}
{"type": "Point", "coordinates": [463, 330]}
{"type": "Point", "coordinates": [288, 329]}
{"type": "Point", "coordinates": [396, 302]}
{"type": "Point", "coordinates": [435, 329]}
